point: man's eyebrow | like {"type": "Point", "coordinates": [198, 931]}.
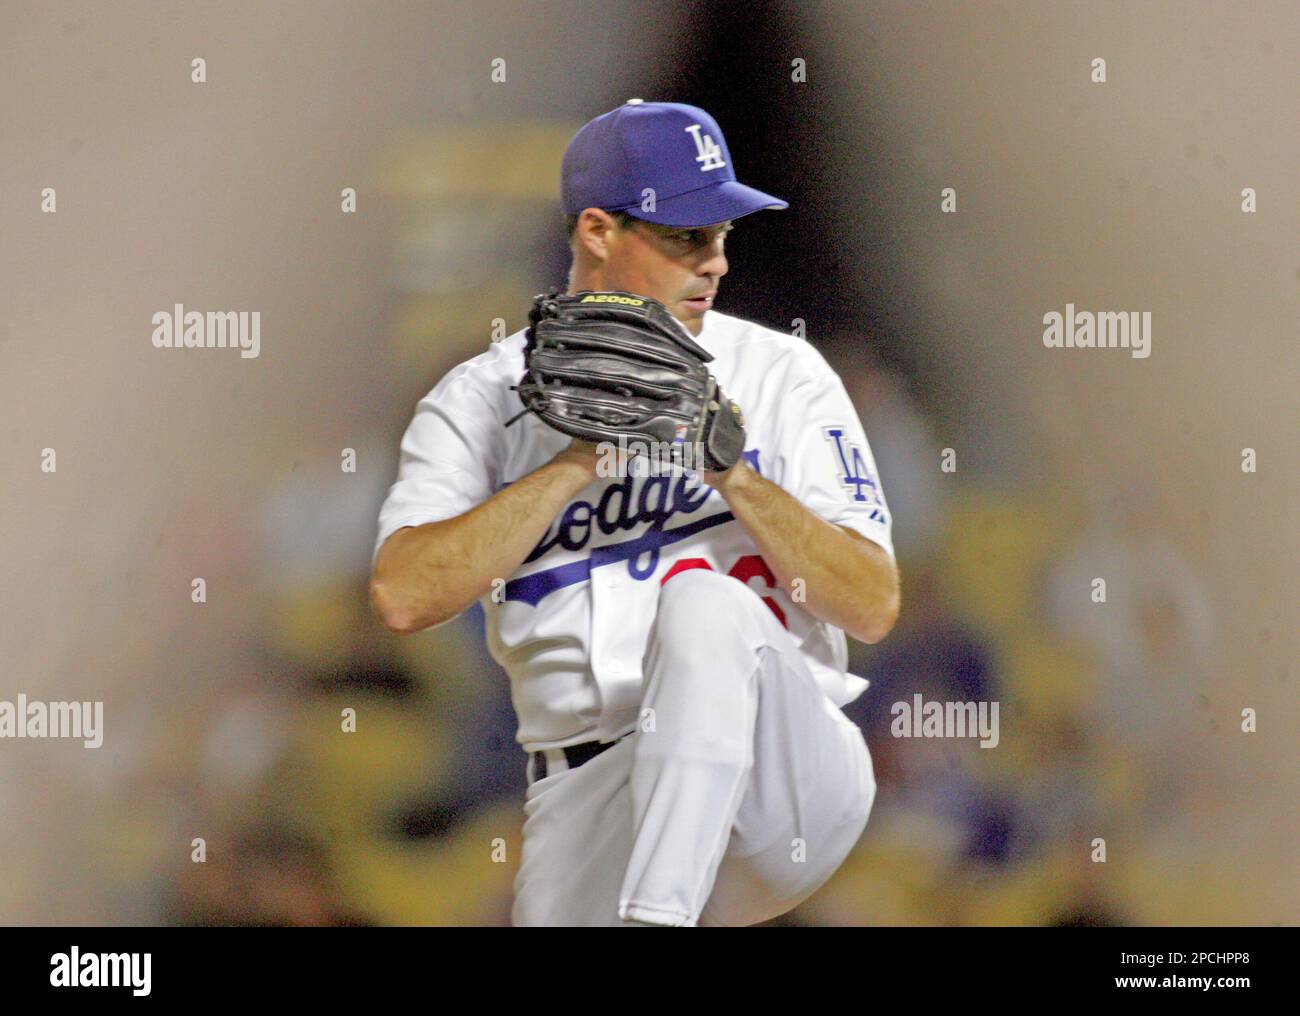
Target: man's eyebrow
{"type": "Point", "coordinates": [696, 232]}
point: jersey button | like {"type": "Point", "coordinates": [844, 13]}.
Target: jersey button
{"type": "Point", "coordinates": [616, 666]}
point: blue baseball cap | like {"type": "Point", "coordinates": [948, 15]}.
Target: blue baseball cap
{"type": "Point", "coordinates": [674, 150]}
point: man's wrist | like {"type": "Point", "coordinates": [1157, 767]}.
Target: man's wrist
{"type": "Point", "coordinates": [579, 462]}
{"type": "Point", "coordinates": [734, 479]}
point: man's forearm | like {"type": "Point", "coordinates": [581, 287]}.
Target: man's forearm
{"type": "Point", "coordinates": [849, 581]}
{"type": "Point", "coordinates": [428, 574]}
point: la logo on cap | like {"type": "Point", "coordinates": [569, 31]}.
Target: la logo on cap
{"type": "Point", "coordinates": [710, 155]}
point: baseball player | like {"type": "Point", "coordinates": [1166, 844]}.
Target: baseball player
{"type": "Point", "coordinates": [675, 640]}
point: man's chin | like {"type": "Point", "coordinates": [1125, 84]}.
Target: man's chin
{"type": "Point", "coordinates": [691, 316]}
{"type": "Point", "coordinates": [694, 325]}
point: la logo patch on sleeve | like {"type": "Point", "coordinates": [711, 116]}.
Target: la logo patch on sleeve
{"type": "Point", "coordinates": [855, 477]}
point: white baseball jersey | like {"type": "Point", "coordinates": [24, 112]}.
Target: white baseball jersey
{"type": "Point", "coordinates": [572, 628]}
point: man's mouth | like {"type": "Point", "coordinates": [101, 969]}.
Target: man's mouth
{"type": "Point", "coordinates": [701, 302]}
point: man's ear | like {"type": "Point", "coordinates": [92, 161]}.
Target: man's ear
{"type": "Point", "coordinates": [595, 232]}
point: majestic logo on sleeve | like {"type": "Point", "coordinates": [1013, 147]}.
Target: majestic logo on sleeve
{"type": "Point", "coordinates": [854, 474]}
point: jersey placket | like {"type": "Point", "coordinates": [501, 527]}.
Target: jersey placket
{"type": "Point", "coordinates": [616, 619]}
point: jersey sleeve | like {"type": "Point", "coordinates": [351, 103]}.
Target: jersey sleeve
{"type": "Point", "coordinates": [447, 463]}
{"type": "Point", "coordinates": [827, 462]}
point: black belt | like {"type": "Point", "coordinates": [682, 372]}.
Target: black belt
{"type": "Point", "coordinates": [574, 755]}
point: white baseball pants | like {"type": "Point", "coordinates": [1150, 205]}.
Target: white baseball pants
{"type": "Point", "coordinates": [745, 797]}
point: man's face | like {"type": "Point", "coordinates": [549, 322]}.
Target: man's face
{"type": "Point", "coordinates": [678, 267]}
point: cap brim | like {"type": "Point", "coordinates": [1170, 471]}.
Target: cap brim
{"type": "Point", "coordinates": [716, 203]}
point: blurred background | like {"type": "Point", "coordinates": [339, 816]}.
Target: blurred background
{"type": "Point", "coordinates": [1119, 720]}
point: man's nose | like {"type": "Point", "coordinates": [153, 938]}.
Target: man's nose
{"type": "Point", "coordinates": [714, 261]}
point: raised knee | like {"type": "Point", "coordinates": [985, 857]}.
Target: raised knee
{"type": "Point", "coordinates": [699, 608]}
{"type": "Point", "coordinates": [697, 592]}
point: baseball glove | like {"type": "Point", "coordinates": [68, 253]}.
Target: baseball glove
{"type": "Point", "coordinates": [605, 366]}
